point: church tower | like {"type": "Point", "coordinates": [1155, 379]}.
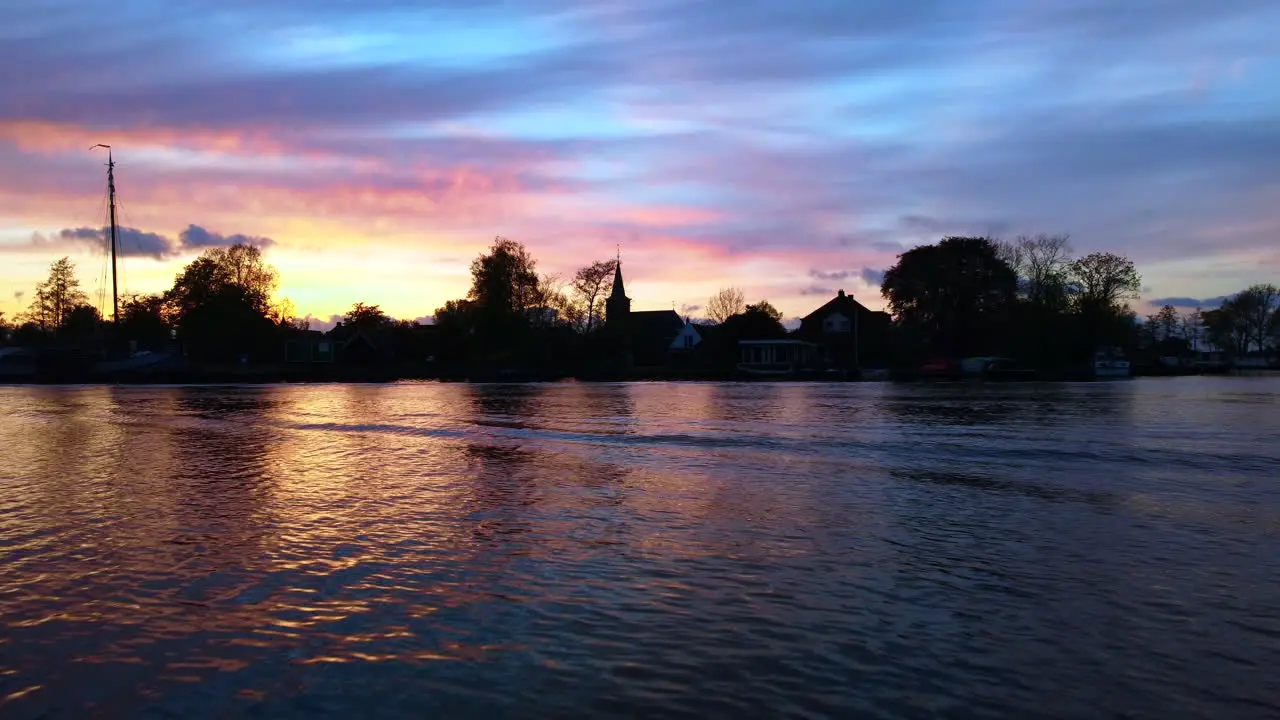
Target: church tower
{"type": "Point", "coordinates": [618, 307]}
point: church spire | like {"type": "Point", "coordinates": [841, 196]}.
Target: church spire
{"type": "Point", "coordinates": [618, 290]}
{"type": "Point", "coordinates": [618, 306]}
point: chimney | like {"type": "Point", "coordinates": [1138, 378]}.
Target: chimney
{"type": "Point", "coordinates": [841, 293]}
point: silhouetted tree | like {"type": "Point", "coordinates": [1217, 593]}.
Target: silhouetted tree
{"type": "Point", "coordinates": [955, 296]}
{"type": "Point", "coordinates": [1165, 329]}
{"type": "Point", "coordinates": [591, 286]}
{"type": "Point", "coordinates": [366, 317]}
{"type": "Point", "coordinates": [1227, 329]}
{"type": "Point", "coordinates": [1106, 281]}
{"type": "Point", "coordinates": [725, 304]}
{"type": "Point", "coordinates": [1043, 265]}
{"type": "Point", "coordinates": [1257, 306]}
{"type": "Point", "coordinates": [505, 281]}
{"type": "Point", "coordinates": [456, 323]}
{"type": "Point", "coordinates": [217, 269]}
{"type": "Point", "coordinates": [56, 297]}
{"type": "Point", "coordinates": [758, 321]}
{"type": "Point", "coordinates": [764, 307]}
{"type": "Point", "coordinates": [1248, 320]}
{"type": "Point", "coordinates": [1104, 284]}
{"type": "Point", "coordinates": [142, 320]}
{"type": "Point", "coordinates": [221, 304]}
{"type": "Point", "coordinates": [82, 322]}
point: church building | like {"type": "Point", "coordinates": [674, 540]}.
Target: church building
{"type": "Point", "coordinates": [645, 335]}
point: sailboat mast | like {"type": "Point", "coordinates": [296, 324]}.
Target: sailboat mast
{"type": "Point", "coordinates": [111, 193]}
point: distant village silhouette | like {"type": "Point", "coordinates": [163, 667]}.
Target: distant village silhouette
{"type": "Point", "coordinates": [965, 306]}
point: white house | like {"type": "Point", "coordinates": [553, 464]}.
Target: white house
{"type": "Point", "coordinates": [688, 337]}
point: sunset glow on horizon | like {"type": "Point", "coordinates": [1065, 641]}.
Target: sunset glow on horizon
{"type": "Point", "coordinates": [788, 149]}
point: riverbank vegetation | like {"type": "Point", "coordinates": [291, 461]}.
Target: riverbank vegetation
{"type": "Point", "coordinates": [1031, 299]}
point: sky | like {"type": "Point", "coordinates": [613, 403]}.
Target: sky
{"type": "Point", "coordinates": [791, 149]}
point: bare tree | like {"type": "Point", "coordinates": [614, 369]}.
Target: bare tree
{"type": "Point", "coordinates": [725, 304]}
{"type": "Point", "coordinates": [591, 287]}
{"type": "Point", "coordinates": [1257, 307]}
{"type": "Point", "coordinates": [551, 294]}
{"type": "Point", "coordinates": [1043, 264]}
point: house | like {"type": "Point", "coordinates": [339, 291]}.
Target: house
{"type": "Point", "coordinates": [688, 339]}
{"type": "Point", "coordinates": [309, 346]}
{"type": "Point", "coordinates": [848, 334]}
{"type": "Point", "coordinates": [776, 357]}
{"type": "Point", "coordinates": [645, 336]}
{"type": "Point", "coordinates": [366, 347]}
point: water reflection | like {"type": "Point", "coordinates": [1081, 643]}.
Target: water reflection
{"type": "Point", "coordinates": [652, 549]}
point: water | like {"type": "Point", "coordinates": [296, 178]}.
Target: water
{"type": "Point", "coordinates": [1088, 550]}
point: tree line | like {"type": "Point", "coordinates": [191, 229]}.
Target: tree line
{"type": "Point", "coordinates": [1029, 298]}
{"type": "Point", "coordinates": [220, 308]}
{"type": "Point", "coordinates": [1032, 299]}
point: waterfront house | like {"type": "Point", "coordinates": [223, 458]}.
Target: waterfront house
{"type": "Point", "coordinates": [848, 333]}
{"type": "Point", "coordinates": [309, 346]}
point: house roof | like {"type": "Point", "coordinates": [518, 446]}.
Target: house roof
{"type": "Point", "coordinates": [655, 323]}
{"type": "Point", "coordinates": [841, 303]}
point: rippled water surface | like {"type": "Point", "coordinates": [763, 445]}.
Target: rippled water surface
{"type": "Point", "coordinates": [1087, 550]}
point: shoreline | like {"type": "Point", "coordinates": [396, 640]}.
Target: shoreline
{"type": "Point", "coordinates": [275, 374]}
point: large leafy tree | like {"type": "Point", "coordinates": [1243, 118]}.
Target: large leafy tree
{"type": "Point", "coordinates": [221, 303]}
{"type": "Point", "coordinates": [1106, 281]}
{"type": "Point", "coordinates": [955, 295]}
{"type": "Point", "coordinates": [505, 280]}
{"type": "Point", "coordinates": [366, 317]}
{"type": "Point", "coordinates": [239, 270]}
{"type": "Point", "coordinates": [766, 309]}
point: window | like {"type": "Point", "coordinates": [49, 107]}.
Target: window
{"type": "Point", "coordinates": [836, 323]}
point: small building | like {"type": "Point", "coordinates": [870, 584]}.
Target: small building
{"type": "Point", "coordinates": [688, 339]}
{"type": "Point", "coordinates": [776, 357]}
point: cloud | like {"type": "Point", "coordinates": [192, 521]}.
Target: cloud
{"type": "Point", "coordinates": [831, 274]}
{"type": "Point", "coordinates": [816, 290]}
{"type": "Point", "coordinates": [1189, 302]}
{"type": "Point", "coordinates": [871, 276]}
{"type": "Point", "coordinates": [868, 275]}
{"type": "Point", "coordinates": [130, 242]}
{"type": "Point", "coordinates": [689, 309]}
{"type": "Point", "coordinates": [18, 295]}
{"type": "Point", "coordinates": [198, 238]}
